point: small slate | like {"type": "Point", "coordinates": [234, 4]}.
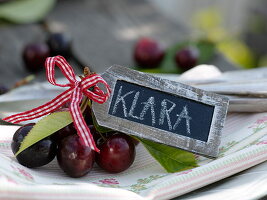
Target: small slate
{"type": "Point", "coordinates": [163, 111]}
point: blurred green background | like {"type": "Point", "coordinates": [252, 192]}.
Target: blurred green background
{"type": "Point", "coordinates": [105, 32]}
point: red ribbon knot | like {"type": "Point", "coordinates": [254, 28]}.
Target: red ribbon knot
{"type": "Point", "coordinates": [73, 95]}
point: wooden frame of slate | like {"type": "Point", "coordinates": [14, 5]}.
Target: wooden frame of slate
{"type": "Point", "coordinates": [163, 111]}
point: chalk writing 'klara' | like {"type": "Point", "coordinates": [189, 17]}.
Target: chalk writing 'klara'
{"type": "Point", "coordinates": [149, 106]}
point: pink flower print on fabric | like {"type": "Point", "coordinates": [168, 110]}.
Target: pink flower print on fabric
{"type": "Point", "coordinates": [109, 181]}
{"type": "Point", "coordinates": [262, 120]}
{"type": "Point", "coordinates": [259, 122]}
{"type": "Point", "coordinates": [262, 142]}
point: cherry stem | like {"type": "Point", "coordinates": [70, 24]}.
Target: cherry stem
{"type": "Point", "coordinates": [24, 81]}
{"type": "Point", "coordinates": [86, 100]}
{"type": "Point", "coordinates": [84, 104]}
{"type": "Point", "coordinates": [86, 71]}
{"type": "Point", "coordinates": [102, 136]}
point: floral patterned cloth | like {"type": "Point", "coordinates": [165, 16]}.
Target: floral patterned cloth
{"type": "Point", "coordinates": [244, 144]}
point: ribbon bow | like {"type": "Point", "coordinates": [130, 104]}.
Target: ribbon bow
{"type": "Point", "coordinates": [73, 95]}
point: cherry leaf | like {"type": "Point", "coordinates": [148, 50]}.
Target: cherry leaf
{"type": "Point", "coordinates": [99, 128]}
{"type": "Point", "coordinates": [25, 11]}
{"type": "Point", "coordinates": [45, 127]}
{"type": "Point", "coordinates": [170, 158]}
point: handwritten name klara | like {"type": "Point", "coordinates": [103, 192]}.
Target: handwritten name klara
{"type": "Point", "coordinates": [149, 106]}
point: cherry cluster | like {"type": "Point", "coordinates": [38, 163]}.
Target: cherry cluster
{"type": "Point", "coordinates": [34, 54]}
{"type": "Point", "coordinates": [117, 150]}
{"type": "Point", "coordinates": [148, 53]}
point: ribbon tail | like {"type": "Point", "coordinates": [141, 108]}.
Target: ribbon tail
{"type": "Point", "coordinates": [42, 110]}
{"type": "Point", "coordinates": [83, 131]}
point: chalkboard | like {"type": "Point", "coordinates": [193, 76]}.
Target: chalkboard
{"type": "Point", "coordinates": [163, 111]}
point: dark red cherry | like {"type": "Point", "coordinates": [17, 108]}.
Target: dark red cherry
{"type": "Point", "coordinates": [3, 89]}
{"type": "Point", "coordinates": [64, 132]}
{"type": "Point", "coordinates": [88, 116]}
{"type": "Point", "coordinates": [117, 153]}
{"type": "Point", "coordinates": [34, 56]}
{"type": "Point", "coordinates": [60, 44]}
{"type": "Point", "coordinates": [96, 135]}
{"type": "Point", "coordinates": [37, 155]}
{"type": "Point", "coordinates": [65, 106]}
{"type": "Point", "coordinates": [75, 159]}
{"type": "Point", "coordinates": [19, 136]}
{"type": "Point", "coordinates": [187, 57]}
{"type": "Point", "coordinates": [148, 53]}
{"type": "Point", "coordinates": [99, 138]}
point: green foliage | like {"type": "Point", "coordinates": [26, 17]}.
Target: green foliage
{"type": "Point", "coordinates": [99, 128]}
{"type": "Point", "coordinates": [237, 52]}
{"type": "Point", "coordinates": [172, 159]}
{"type": "Point", "coordinates": [25, 11]}
{"type": "Point", "coordinates": [206, 50]}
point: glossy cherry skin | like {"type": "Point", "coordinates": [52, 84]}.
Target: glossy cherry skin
{"type": "Point", "coordinates": [187, 57]}
{"type": "Point", "coordinates": [34, 56]}
{"type": "Point", "coordinates": [59, 44]}
{"type": "Point", "coordinates": [75, 159]}
{"type": "Point", "coordinates": [148, 53]}
{"type": "Point", "coordinates": [117, 153]}
{"type": "Point", "coordinates": [37, 155]}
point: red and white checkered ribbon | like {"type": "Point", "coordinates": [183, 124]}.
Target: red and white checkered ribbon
{"type": "Point", "coordinates": [73, 95]}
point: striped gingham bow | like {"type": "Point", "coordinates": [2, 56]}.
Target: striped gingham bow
{"type": "Point", "coordinates": [73, 95]}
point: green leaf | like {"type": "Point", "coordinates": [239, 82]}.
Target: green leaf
{"type": "Point", "coordinates": [45, 127]}
{"type": "Point", "coordinates": [6, 123]}
{"type": "Point", "coordinates": [168, 64]}
{"type": "Point", "coordinates": [207, 51]}
{"type": "Point", "coordinates": [171, 158]}
{"type": "Point", "coordinates": [25, 11]}
{"type": "Point", "coordinates": [100, 129]}
{"type": "Point", "coordinates": [153, 70]}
